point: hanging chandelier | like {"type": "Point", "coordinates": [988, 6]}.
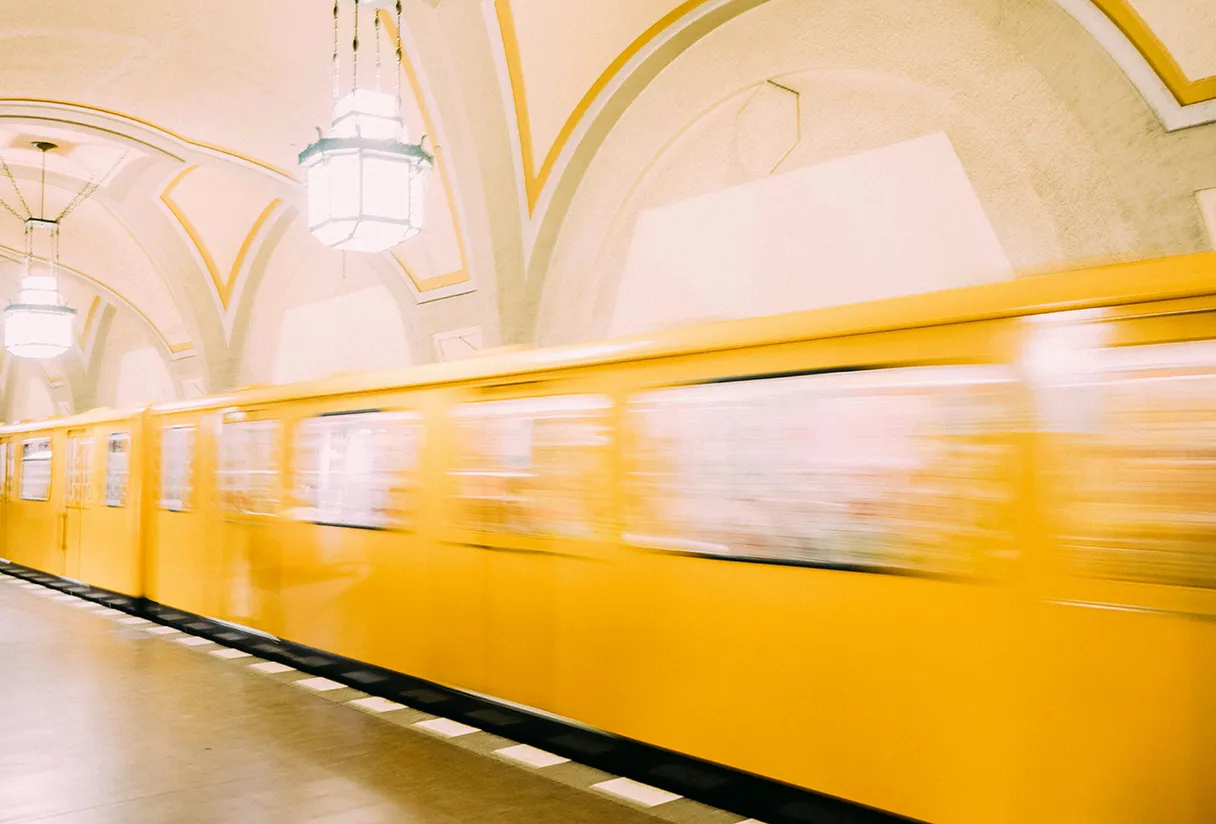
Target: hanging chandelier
{"type": "Point", "coordinates": [366, 183]}
{"type": "Point", "coordinates": [39, 324]}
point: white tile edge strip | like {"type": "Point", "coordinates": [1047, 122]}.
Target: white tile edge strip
{"type": "Point", "coordinates": [636, 792]}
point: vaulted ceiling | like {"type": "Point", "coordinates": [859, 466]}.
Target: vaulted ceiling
{"type": "Point", "coordinates": [195, 113]}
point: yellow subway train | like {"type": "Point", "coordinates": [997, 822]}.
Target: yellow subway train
{"type": "Point", "coordinates": [951, 556]}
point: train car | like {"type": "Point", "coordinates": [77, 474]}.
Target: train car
{"type": "Point", "coordinates": [71, 495]}
{"type": "Point", "coordinates": [950, 556]}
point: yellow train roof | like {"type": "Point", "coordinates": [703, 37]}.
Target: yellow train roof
{"type": "Point", "coordinates": [1124, 283]}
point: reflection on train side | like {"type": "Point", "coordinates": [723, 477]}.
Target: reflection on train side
{"type": "Point", "coordinates": [909, 469]}
{"type": "Point", "coordinates": [1135, 483]}
{"type": "Point", "coordinates": [890, 469]}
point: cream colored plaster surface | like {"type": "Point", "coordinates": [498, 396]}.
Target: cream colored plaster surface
{"type": "Point", "coordinates": [1188, 30]}
{"type": "Point", "coordinates": [222, 202]}
{"type": "Point", "coordinates": [32, 400]}
{"type": "Point", "coordinates": [143, 379]}
{"type": "Point", "coordinates": [357, 330]}
{"type": "Point", "coordinates": [1207, 204]}
{"type": "Point", "coordinates": [252, 76]}
{"type": "Point", "coordinates": [305, 274]}
{"type": "Point", "coordinates": [133, 368]}
{"type": "Point", "coordinates": [891, 221]}
{"type": "Point", "coordinates": [564, 46]}
{"type": "Point", "coordinates": [1065, 159]}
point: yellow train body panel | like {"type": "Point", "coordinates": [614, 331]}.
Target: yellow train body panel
{"type": "Point", "coordinates": [1019, 671]}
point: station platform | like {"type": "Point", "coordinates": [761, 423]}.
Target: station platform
{"type": "Point", "coordinates": [108, 717]}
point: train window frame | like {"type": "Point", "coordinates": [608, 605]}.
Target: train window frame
{"type": "Point", "coordinates": [638, 484]}
{"type": "Point", "coordinates": [27, 460]}
{"type": "Point", "coordinates": [322, 503]}
{"type": "Point", "coordinates": [515, 417]}
{"type": "Point", "coordinates": [185, 474]}
{"type": "Point", "coordinates": [236, 496]}
{"type": "Point", "coordinates": [80, 466]}
{"type": "Point", "coordinates": [112, 439]}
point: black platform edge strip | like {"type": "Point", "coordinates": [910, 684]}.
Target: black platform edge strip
{"type": "Point", "coordinates": [742, 793]}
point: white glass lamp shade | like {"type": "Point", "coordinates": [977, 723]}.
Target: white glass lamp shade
{"type": "Point", "coordinates": [364, 113]}
{"type": "Point", "coordinates": [39, 325]}
{"type": "Point", "coordinates": [366, 188]}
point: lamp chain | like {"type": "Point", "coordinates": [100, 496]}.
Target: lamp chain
{"type": "Point", "coordinates": [337, 90]}
{"type": "Point", "coordinates": [400, 63]}
{"type": "Point", "coordinates": [376, 18]}
{"type": "Point", "coordinates": [354, 79]}
{"type": "Point", "coordinates": [89, 188]}
{"type": "Point", "coordinates": [24, 205]}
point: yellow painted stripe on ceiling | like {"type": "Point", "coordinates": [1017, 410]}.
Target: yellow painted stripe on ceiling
{"type": "Point", "coordinates": [223, 286]}
{"type": "Point", "coordinates": [89, 317]}
{"type": "Point", "coordinates": [460, 275]}
{"type": "Point", "coordinates": [534, 182]}
{"type": "Point", "coordinates": [178, 348]}
{"type": "Point", "coordinates": [1185, 90]}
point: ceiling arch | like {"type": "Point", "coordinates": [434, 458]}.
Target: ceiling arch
{"type": "Point", "coordinates": [556, 80]}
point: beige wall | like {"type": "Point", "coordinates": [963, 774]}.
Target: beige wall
{"type": "Point", "coordinates": [1056, 152]}
{"type": "Point", "coordinates": [31, 398]}
{"type": "Point", "coordinates": [318, 311]}
{"type": "Point", "coordinates": [134, 370]}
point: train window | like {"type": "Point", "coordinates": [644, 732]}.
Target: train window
{"type": "Point", "coordinates": [80, 469]}
{"type": "Point", "coordinates": [176, 467]}
{"type": "Point", "coordinates": [884, 470]}
{"type": "Point", "coordinates": [36, 469]}
{"type": "Point", "coordinates": [1136, 475]}
{"type": "Point", "coordinates": [248, 468]}
{"type": "Point", "coordinates": [118, 468]}
{"type": "Point", "coordinates": [358, 469]}
{"type": "Point", "coordinates": [5, 473]}
{"type": "Point", "coordinates": [531, 466]}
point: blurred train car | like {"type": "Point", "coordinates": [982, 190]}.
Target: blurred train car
{"type": "Point", "coordinates": [71, 493]}
{"type": "Point", "coordinates": [952, 556]}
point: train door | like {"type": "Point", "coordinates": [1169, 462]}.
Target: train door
{"type": "Point", "coordinates": [6, 477]}
{"type": "Point", "coordinates": [76, 499]}
{"type": "Point", "coordinates": [248, 495]}
{"type": "Point", "coordinates": [526, 473]}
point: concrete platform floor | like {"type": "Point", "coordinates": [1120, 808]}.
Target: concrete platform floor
{"type": "Point", "coordinates": [103, 721]}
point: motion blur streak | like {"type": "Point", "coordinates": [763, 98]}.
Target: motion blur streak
{"type": "Point", "coordinates": [844, 549]}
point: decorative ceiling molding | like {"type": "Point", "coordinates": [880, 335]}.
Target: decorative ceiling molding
{"type": "Point", "coordinates": [535, 179]}
{"type": "Point", "coordinates": [1186, 91]}
{"type": "Point", "coordinates": [122, 118]}
{"type": "Point", "coordinates": [224, 286]}
{"type": "Point", "coordinates": [1178, 101]}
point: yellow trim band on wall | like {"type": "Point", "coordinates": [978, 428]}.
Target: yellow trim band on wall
{"type": "Point", "coordinates": [460, 275]}
{"type": "Point", "coordinates": [223, 286]}
{"type": "Point", "coordinates": [1185, 90]}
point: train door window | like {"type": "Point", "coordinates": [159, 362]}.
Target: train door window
{"type": "Point", "coordinates": [5, 475]}
{"type": "Point", "coordinates": [531, 465]}
{"type": "Point", "coordinates": [176, 467]}
{"type": "Point", "coordinates": [359, 469]}
{"type": "Point", "coordinates": [10, 468]}
{"type": "Point", "coordinates": [248, 467]}
{"type": "Point", "coordinates": [36, 469]}
{"type": "Point", "coordinates": [885, 470]}
{"type": "Point", "coordinates": [80, 468]}
{"type": "Point", "coordinates": [118, 468]}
